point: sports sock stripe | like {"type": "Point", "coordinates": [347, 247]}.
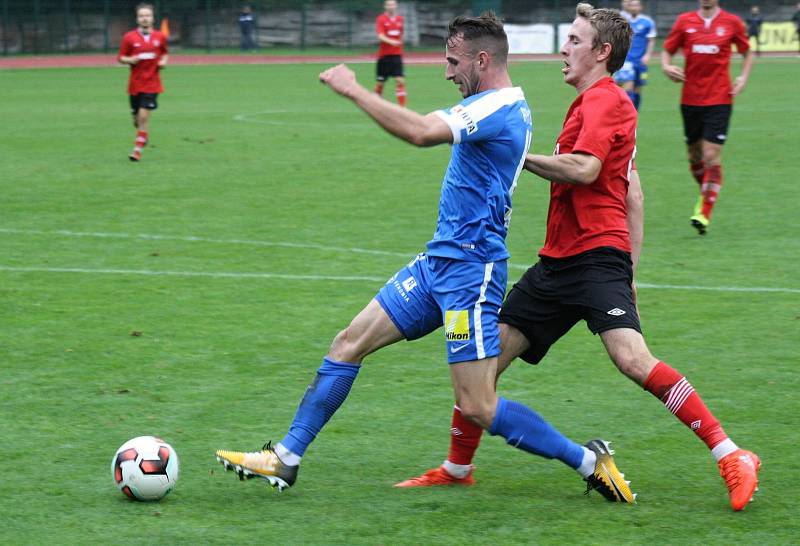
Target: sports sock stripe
{"type": "Point", "coordinates": [678, 395]}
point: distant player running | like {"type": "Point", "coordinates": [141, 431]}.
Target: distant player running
{"type": "Point", "coordinates": [705, 37]}
{"type": "Point", "coordinates": [460, 281]}
{"type": "Point", "coordinates": [389, 28]}
{"type": "Point", "coordinates": [145, 50]}
{"type": "Point", "coordinates": [633, 74]}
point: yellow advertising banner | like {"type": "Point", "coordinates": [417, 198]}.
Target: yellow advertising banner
{"type": "Point", "coordinates": [777, 37]}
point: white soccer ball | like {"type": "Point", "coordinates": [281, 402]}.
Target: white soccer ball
{"type": "Point", "coordinates": [145, 468]}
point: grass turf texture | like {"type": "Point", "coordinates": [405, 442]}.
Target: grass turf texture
{"type": "Point", "coordinates": [253, 160]}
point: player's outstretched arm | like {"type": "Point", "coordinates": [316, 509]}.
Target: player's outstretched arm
{"type": "Point", "coordinates": [414, 128]}
{"type": "Point", "coordinates": [582, 169]}
{"type": "Point", "coordinates": [162, 62]}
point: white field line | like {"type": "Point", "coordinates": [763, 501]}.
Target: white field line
{"type": "Point", "coordinates": [150, 272]}
{"type": "Point", "coordinates": [286, 276]}
{"type": "Point", "coordinates": [192, 239]}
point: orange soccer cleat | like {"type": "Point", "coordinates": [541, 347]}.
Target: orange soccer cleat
{"type": "Point", "coordinates": [740, 472]}
{"type": "Point", "coordinates": [438, 476]}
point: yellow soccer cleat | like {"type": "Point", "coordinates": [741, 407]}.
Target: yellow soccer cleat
{"type": "Point", "coordinates": [606, 478]}
{"type": "Point", "coordinates": [700, 223]}
{"type": "Point", "coordinates": [263, 464]}
{"type": "Point", "coordinates": [698, 207]}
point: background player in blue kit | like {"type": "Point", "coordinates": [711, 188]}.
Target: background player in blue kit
{"type": "Point", "coordinates": [460, 282]}
{"type": "Point", "coordinates": [633, 74]}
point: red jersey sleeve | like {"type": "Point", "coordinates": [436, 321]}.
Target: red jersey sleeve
{"type": "Point", "coordinates": [124, 47]}
{"type": "Point", "coordinates": [740, 37]}
{"type": "Point", "coordinates": [162, 49]}
{"type": "Point", "coordinates": [379, 26]}
{"type": "Point", "coordinates": [675, 38]}
{"type": "Point", "coordinates": [599, 111]}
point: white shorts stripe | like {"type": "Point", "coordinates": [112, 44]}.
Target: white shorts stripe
{"type": "Point", "coordinates": [476, 316]}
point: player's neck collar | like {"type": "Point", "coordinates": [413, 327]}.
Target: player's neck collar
{"type": "Point", "coordinates": [716, 12]}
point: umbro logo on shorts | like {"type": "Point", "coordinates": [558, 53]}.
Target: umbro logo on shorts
{"type": "Point", "coordinates": [616, 311]}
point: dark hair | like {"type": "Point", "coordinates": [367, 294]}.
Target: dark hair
{"type": "Point", "coordinates": [609, 27]}
{"type": "Point", "coordinates": [483, 33]}
{"type": "Point", "coordinates": [145, 5]}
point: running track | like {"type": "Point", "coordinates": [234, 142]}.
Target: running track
{"type": "Point", "coordinates": [74, 61]}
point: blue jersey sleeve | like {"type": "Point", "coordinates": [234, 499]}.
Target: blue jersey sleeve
{"type": "Point", "coordinates": [651, 31]}
{"type": "Point", "coordinates": [480, 117]}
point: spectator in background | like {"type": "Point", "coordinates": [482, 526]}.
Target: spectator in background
{"type": "Point", "coordinates": [247, 24]}
{"type": "Point", "coordinates": [754, 22]}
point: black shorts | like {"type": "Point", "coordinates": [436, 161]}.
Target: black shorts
{"type": "Point", "coordinates": [390, 66]}
{"type": "Point", "coordinates": [707, 122]}
{"type": "Point", "coordinates": [148, 101]}
{"type": "Point", "coordinates": [553, 295]}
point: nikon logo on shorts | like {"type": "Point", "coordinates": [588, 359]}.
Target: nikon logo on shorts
{"type": "Point", "coordinates": [456, 325]}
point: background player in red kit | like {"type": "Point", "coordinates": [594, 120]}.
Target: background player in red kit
{"type": "Point", "coordinates": [705, 38]}
{"type": "Point", "coordinates": [585, 270]}
{"type": "Point", "coordinates": [145, 49]}
{"type": "Point", "coordinates": [389, 28]}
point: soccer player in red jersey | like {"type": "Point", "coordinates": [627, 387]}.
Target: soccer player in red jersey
{"type": "Point", "coordinates": [705, 38]}
{"type": "Point", "coordinates": [145, 50]}
{"type": "Point", "coordinates": [389, 28]}
{"type": "Point", "coordinates": [586, 266]}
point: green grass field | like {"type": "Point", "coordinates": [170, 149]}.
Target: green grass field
{"type": "Point", "coordinates": [223, 247]}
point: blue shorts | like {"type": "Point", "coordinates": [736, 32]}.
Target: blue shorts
{"type": "Point", "coordinates": [632, 71]}
{"type": "Point", "coordinates": [463, 296]}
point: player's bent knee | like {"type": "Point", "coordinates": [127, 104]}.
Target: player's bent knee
{"type": "Point", "coordinates": [346, 347]}
{"type": "Point", "coordinates": [634, 366]}
{"type": "Point", "coordinates": [481, 414]}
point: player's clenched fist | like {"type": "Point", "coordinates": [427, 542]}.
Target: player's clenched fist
{"type": "Point", "coordinates": [339, 78]}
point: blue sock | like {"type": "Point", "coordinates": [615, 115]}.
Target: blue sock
{"type": "Point", "coordinates": [634, 96]}
{"type": "Point", "coordinates": [524, 428]}
{"type": "Point", "coordinates": [323, 397]}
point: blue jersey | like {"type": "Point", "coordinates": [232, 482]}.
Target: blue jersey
{"type": "Point", "coordinates": [644, 28]}
{"type": "Point", "coordinates": [491, 135]}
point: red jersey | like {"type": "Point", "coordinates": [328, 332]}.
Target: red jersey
{"type": "Point", "coordinates": [391, 27]}
{"type": "Point", "coordinates": [706, 45]}
{"type": "Point", "coordinates": [149, 48]}
{"type": "Point", "coordinates": [601, 122]}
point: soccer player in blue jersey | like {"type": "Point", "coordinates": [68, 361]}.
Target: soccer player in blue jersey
{"type": "Point", "coordinates": [460, 281]}
{"type": "Point", "coordinates": [633, 74]}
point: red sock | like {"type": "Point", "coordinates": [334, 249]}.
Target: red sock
{"type": "Point", "coordinates": [698, 171]}
{"type": "Point", "coordinates": [464, 439]}
{"type": "Point", "coordinates": [712, 184]}
{"type": "Point", "coordinates": [400, 93]}
{"type": "Point", "coordinates": [140, 142]}
{"type": "Point", "coordinates": [379, 88]}
{"type": "Point", "coordinates": [678, 395]}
